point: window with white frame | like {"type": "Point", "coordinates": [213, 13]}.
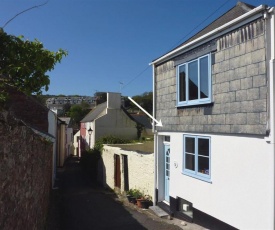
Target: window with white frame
{"type": "Point", "coordinates": [197, 156]}
{"type": "Point", "coordinates": [194, 82]}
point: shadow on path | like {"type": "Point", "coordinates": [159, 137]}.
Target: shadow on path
{"type": "Point", "coordinates": [79, 204]}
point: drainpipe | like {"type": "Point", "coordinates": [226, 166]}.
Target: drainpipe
{"type": "Point", "coordinates": [270, 20]}
{"type": "Point", "coordinates": [155, 140]}
{"type": "Point", "coordinates": [272, 75]}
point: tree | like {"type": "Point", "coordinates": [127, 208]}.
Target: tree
{"type": "Point", "coordinates": [101, 97]}
{"type": "Point", "coordinates": [145, 100]}
{"type": "Point", "coordinates": [77, 112]}
{"type": "Point", "coordinates": [24, 64]}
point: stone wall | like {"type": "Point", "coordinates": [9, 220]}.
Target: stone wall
{"type": "Point", "coordinates": [25, 175]}
{"type": "Point", "coordinates": [140, 169]}
{"type": "Point", "coordinates": [239, 88]}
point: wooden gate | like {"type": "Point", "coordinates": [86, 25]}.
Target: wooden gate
{"type": "Point", "coordinates": [117, 171]}
{"type": "Point", "coordinates": [125, 172]}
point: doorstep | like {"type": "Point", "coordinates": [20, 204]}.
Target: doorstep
{"type": "Point", "coordinates": [158, 211]}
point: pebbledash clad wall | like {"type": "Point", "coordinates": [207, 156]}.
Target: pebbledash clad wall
{"type": "Point", "coordinates": [140, 169]}
{"type": "Point", "coordinates": [25, 175]}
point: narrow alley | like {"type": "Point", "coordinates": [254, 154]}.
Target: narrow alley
{"type": "Point", "coordinates": [78, 204]}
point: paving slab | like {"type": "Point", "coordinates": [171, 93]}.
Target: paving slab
{"type": "Point", "coordinates": [158, 211]}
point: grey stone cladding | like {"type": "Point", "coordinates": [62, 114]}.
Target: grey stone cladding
{"type": "Point", "coordinates": [239, 88]}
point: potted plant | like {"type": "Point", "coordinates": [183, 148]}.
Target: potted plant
{"type": "Point", "coordinates": [130, 196]}
{"type": "Point", "coordinates": [146, 202]}
{"type": "Point", "coordinates": [133, 195]}
{"type": "Point", "coordinates": [140, 197]}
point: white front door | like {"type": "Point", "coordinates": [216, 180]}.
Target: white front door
{"type": "Point", "coordinates": [167, 172]}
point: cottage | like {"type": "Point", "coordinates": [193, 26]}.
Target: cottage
{"type": "Point", "coordinates": [108, 118]}
{"type": "Point", "coordinates": [215, 97]}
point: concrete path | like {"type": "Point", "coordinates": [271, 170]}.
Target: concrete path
{"type": "Point", "coordinates": [80, 205]}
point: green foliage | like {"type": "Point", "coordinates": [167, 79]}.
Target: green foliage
{"type": "Point", "coordinates": [24, 64]}
{"type": "Point", "coordinates": [101, 97]}
{"type": "Point", "coordinates": [145, 100]}
{"type": "Point", "coordinates": [77, 113]}
{"type": "Point", "coordinates": [89, 162]}
{"type": "Point", "coordinates": [66, 109]}
{"type": "Point", "coordinates": [139, 128]}
{"type": "Point", "coordinates": [135, 193]}
{"type": "Point", "coordinates": [109, 139]}
{"type": "Point", "coordinates": [99, 146]}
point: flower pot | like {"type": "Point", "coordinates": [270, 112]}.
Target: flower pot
{"type": "Point", "coordinates": [129, 197]}
{"type": "Point", "coordinates": [145, 204]}
{"type": "Point", "coordinates": [139, 202]}
{"type": "Point", "coordinates": [133, 200]}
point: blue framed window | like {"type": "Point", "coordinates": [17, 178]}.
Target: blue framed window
{"type": "Point", "coordinates": [197, 157]}
{"type": "Point", "coordinates": [194, 82]}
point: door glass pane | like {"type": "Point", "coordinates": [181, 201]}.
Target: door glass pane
{"type": "Point", "coordinates": [182, 83]}
{"type": "Point", "coordinates": [203, 147]}
{"type": "Point", "coordinates": [203, 165]}
{"type": "Point", "coordinates": [204, 78]}
{"type": "Point", "coordinates": [167, 138]}
{"type": "Point", "coordinates": [190, 162]}
{"type": "Point", "coordinates": [190, 145]}
{"type": "Point", "coordinates": [193, 80]}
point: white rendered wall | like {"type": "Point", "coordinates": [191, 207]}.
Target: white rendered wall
{"type": "Point", "coordinates": [115, 123]}
{"type": "Point", "coordinates": [140, 169]}
{"type": "Point", "coordinates": [52, 129]}
{"type": "Point", "coordinates": [113, 100]}
{"type": "Point", "coordinates": [241, 173]}
{"type": "Point", "coordinates": [76, 142]}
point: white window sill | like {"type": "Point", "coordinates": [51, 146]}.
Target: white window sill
{"type": "Point", "coordinates": [195, 176]}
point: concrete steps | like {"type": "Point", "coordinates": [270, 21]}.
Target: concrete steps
{"type": "Point", "coordinates": [159, 212]}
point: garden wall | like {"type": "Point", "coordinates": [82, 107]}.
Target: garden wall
{"type": "Point", "coordinates": [140, 169]}
{"type": "Point", "coordinates": [25, 175]}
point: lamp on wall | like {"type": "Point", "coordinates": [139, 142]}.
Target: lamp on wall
{"type": "Point", "coordinates": [90, 133]}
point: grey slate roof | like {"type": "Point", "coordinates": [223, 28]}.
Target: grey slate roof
{"type": "Point", "coordinates": [235, 12]}
{"type": "Point", "coordinates": [143, 120]}
{"type": "Point", "coordinates": [94, 113]}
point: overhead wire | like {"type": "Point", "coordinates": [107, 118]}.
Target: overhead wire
{"type": "Point", "coordinates": [37, 6]}
{"type": "Point", "coordinates": [179, 41]}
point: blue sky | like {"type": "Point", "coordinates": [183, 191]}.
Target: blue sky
{"type": "Point", "coordinates": [110, 41]}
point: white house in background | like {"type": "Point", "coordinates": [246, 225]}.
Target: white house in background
{"type": "Point", "coordinates": [52, 129]}
{"type": "Point", "coordinates": [215, 97]}
{"type": "Point", "coordinates": [108, 118]}
{"type": "Point", "coordinates": [69, 136]}
{"type": "Point", "coordinates": [76, 144]}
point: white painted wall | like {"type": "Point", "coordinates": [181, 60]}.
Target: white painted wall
{"type": "Point", "coordinates": [52, 129]}
{"type": "Point", "coordinates": [69, 141]}
{"type": "Point", "coordinates": [115, 123]}
{"type": "Point", "coordinates": [113, 100]}
{"type": "Point", "coordinates": [241, 173]}
{"type": "Point", "coordinates": [76, 144]}
{"type": "Point", "coordinates": [90, 140]}
{"type": "Point", "coordinates": [140, 169]}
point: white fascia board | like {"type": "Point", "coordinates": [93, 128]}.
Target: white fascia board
{"type": "Point", "coordinates": [234, 24]}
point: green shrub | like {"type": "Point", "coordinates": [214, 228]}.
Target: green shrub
{"type": "Point", "coordinates": [89, 162]}
{"type": "Point", "coordinates": [135, 193]}
{"type": "Point", "coordinates": [112, 140]}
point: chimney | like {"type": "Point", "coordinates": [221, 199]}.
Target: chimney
{"type": "Point", "coordinates": [113, 100]}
